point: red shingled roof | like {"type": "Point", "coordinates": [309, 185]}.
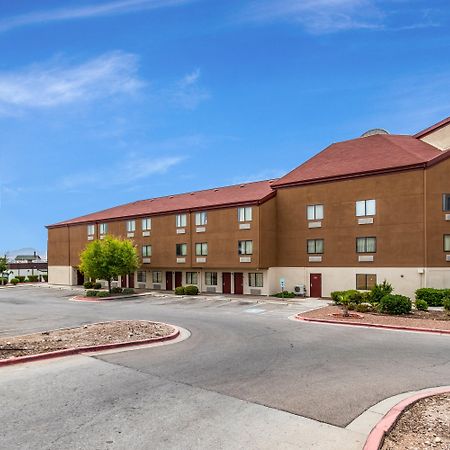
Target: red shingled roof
{"type": "Point", "coordinates": [434, 127]}
{"type": "Point", "coordinates": [240, 194]}
{"type": "Point", "coordinates": [362, 156]}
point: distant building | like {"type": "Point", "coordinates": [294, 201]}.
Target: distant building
{"type": "Point", "coordinates": [24, 265]}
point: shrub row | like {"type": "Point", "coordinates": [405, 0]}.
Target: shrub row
{"type": "Point", "coordinates": [357, 297]}
{"type": "Point", "coordinates": [93, 293]}
{"type": "Point", "coordinates": [285, 294]}
{"type": "Point", "coordinates": [23, 279]}
{"type": "Point", "coordinates": [433, 297]}
{"type": "Point", "coordinates": [92, 285]}
{"type": "Point", "coordinates": [186, 290]}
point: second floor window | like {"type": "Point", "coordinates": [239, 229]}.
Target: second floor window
{"type": "Point", "coordinates": [103, 228]}
{"type": "Point", "coordinates": [146, 224]}
{"type": "Point", "coordinates": [245, 247]}
{"type": "Point", "coordinates": [201, 249]}
{"type": "Point", "coordinates": [146, 251]}
{"type": "Point", "coordinates": [211, 278]}
{"type": "Point", "coordinates": [181, 220]}
{"type": "Point", "coordinates": [191, 277]}
{"type": "Point", "coordinates": [245, 214]}
{"type": "Point", "coordinates": [365, 208]}
{"type": "Point", "coordinates": [447, 243]}
{"type": "Point", "coordinates": [157, 277]}
{"type": "Point", "coordinates": [201, 218]}
{"type": "Point", "coordinates": [314, 212]}
{"type": "Point", "coordinates": [366, 245]}
{"type": "Point", "coordinates": [91, 230]}
{"type": "Point", "coordinates": [131, 226]}
{"type": "Point", "coordinates": [445, 202]}
{"type": "Point", "coordinates": [181, 249]}
{"type": "Point", "coordinates": [315, 246]}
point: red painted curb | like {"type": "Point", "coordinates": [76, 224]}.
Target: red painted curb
{"type": "Point", "coordinates": [373, 325]}
{"type": "Point", "coordinates": [376, 437]}
{"type": "Point", "coordinates": [89, 349]}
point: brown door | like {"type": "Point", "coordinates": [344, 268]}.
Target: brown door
{"type": "Point", "coordinates": [123, 281]}
{"type": "Point", "coordinates": [238, 283]}
{"type": "Point", "coordinates": [131, 280]}
{"type": "Point", "coordinates": [226, 283]}
{"type": "Point", "coordinates": [315, 285]}
{"type": "Point", "coordinates": [178, 279]}
{"type": "Point", "coordinates": [80, 278]}
{"type": "Point", "coordinates": [169, 286]}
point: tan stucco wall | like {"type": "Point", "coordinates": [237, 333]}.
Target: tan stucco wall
{"type": "Point", "coordinates": [62, 275]}
{"type": "Point", "coordinates": [439, 138]}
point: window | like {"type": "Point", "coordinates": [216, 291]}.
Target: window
{"type": "Point", "coordinates": [245, 247]}
{"type": "Point", "coordinates": [245, 214]}
{"type": "Point", "coordinates": [181, 220]}
{"type": "Point", "coordinates": [255, 279]}
{"type": "Point", "coordinates": [365, 208]}
{"type": "Point", "coordinates": [131, 226]}
{"type": "Point", "coordinates": [141, 277]}
{"type": "Point", "coordinates": [366, 245]}
{"type": "Point", "coordinates": [181, 249]}
{"type": "Point", "coordinates": [146, 224]}
{"type": "Point", "coordinates": [191, 277]}
{"type": "Point", "coordinates": [157, 277]}
{"type": "Point", "coordinates": [201, 218]}
{"type": "Point", "coordinates": [315, 246]}
{"type": "Point", "coordinates": [146, 251]}
{"type": "Point", "coordinates": [91, 230]}
{"type": "Point", "coordinates": [315, 212]}
{"type": "Point", "coordinates": [201, 249]}
{"type": "Point", "coordinates": [445, 202]}
{"type": "Point", "coordinates": [211, 278]}
{"type": "Point", "coordinates": [103, 228]}
{"type": "Point", "coordinates": [365, 282]}
{"type": "Point", "coordinates": [446, 242]}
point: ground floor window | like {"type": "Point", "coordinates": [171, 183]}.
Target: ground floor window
{"type": "Point", "coordinates": [255, 279]}
{"type": "Point", "coordinates": [447, 243]}
{"type": "Point", "coordinates": [141, 277]}
{"type": "Point", "coordinates": [157, 277]}
{"type": "Point", "coordinates": [211, 278]}
{"type": "Point", "coordinates": [365, 282]}
{"type": "Point", "coordinates": [191, 278]}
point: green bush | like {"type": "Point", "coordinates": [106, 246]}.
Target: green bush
{"type": "Point", "coordinates": [285, 294]}
{"type": "Point", "coordinates": [116, 290]}
{"type": "Point", "coordinates": [3, 281]}
{"type": "Point", "coordinates": [337, 295]}
{"type": "Point", "coordinates": [364, 307]}
{"type": "Point", "coordinates": [33, 278]}
{"type": "Point", "coordinates": [434, 297]}
{"type": "Point", "coordinates": [97, 285]}
{"type": "Point", "coordinates": [91, 293]}
{"type": "Point", "coordinates": [88, 284]}
{"type": "Point", "coordinates": [128, 291]}
{"type": "Point", "coordinates": [446, 303]}
{"type": "Point", "coordinates": [351, 306]}
{"type": "Point", "coordinates": [179, 290]}
{"type": "Point", "coordinates": [45, 278]}
{"type": "Point", "coordinates": [103, 294]}
{"type": "Point", "coordinates": [395, 304]}
{"type": "Point", "coordinates": [421, 305]}
{"type": "Point", "coordinates": [191, 290]}
{"type": "Point", "coordinates": [14, 281]}
{"type": "Point", "coordinates": [21, 278]}
{"type": "Point", "coordinates": [379, 291]}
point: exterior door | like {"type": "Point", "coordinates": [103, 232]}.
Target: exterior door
{"type": "Point", "coordinates": [80, 278]}
{"type": "Point", "coordinates": [178, 279]}
{"type": "Point", "coordinates": [238, 283]}
{"type": "Point", "coordinates": [169, 284]}
{"type": "Point", "coordinates": [123, 281]}
{"type": "Point", "coordinates": [226, 283]}
{"type": "Point", "coordinates": [315, 285]}
{"type": "Point", "coordinates": [131, 280]}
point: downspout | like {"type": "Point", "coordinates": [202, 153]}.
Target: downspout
{"type": "Point", "coordinates": [425, 229]}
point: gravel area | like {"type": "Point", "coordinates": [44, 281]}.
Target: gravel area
{"type": "Point", "coordinates": [85, 336]}
{"type": "Point", "coordinates": [438, 320]}
{"type": "Point", "coordinates": [425, 425]}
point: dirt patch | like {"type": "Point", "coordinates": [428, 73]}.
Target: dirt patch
{"type": "Point", "coordinates": [84, 336]}
{"type": "Point", "coordinates": [425, 425]}
{"type": "Point", "coordinates": [438, 320]}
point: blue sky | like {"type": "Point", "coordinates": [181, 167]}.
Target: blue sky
{"type": "Point", "coordinates": [103, 103]}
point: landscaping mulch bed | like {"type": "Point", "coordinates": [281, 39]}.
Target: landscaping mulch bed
{"type": "Point", "coordinates": [438, 320]}
{"type": "Point", "coordinates": [425, 425]}
{"type": "Point", "coordinates": [84, 336]}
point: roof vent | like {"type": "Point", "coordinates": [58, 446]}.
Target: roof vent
{"type": "Point", "coordinates": [242, 185]}
{"type": "Point", "coordinates": [216, 190]}
{"type": "Point", "coordinates": [374, 131]}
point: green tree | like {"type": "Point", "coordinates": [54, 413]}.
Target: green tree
{"type": "Point", "coordinates": [3, 268]}
{"type": "Point", "coordinates": [108, 258]}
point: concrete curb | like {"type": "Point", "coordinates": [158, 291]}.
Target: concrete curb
{"type": "Point", "coordinates": [82, 298]}
{"type": "Point", "coordinates": [376, 437]}
{"type": "Point", "coordinates": [372, 325]}
{"type": "Point", "coordinates": [89, 349]}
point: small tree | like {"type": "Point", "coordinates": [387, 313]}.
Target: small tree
{"type": "Point", "coordinates": [3, 268]}
{"type": "Point", "coordinates": [108, 258]}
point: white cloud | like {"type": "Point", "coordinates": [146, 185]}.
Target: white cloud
{"type": "Point", "coordinates": [57, 83]}
{"type": "Point", "coordinates": [86, 12]}
{"type": "Point", "coordinates": [187, 92]}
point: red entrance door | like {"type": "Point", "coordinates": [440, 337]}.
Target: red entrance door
{"type": "Point", "coordinates": [226, 282]}
{"type": "Point", "coordinates": [315, 285]}
{"type": "Point", "coordinates": [169, 286]}
{"type": "Point", "coordinates": [131, 280]}
{"type": "Point", "coordinates": [238, 283]}
{"type": "Point", "coordinates": [178, 279]}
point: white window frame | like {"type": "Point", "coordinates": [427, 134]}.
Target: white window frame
{"type": "Point", "coordinates": [91, 229]}
{"type": "Point", "coordinates": [157, 276]}
{"type": "Point", "coordinates": [146, 251]}
{"type": "Point", "coordinates": [245, 247]}
{"type": "Point", "coordinates": [201, 249]}
{"type": "Point", "coordinates": [181, 220]}
{"type": "Point", "coordinates": [256, 279]}
{"type": "Point", "coordinates": [103, 227]}
{"type": "Point", "coordinates": [201, 218]}
{"type": "Point", "coordinates": [211, 278]}
{"type": "Point", "coordinates": [314, 212]}
{"type": "Point", "coordinates": [245, 214]}
{"type": "Point", "coordinates": [131, 226]}
{"type": "Point", "coordinates": [364, 208]}
{"type": "Point", "coordinates": [146, 224]}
